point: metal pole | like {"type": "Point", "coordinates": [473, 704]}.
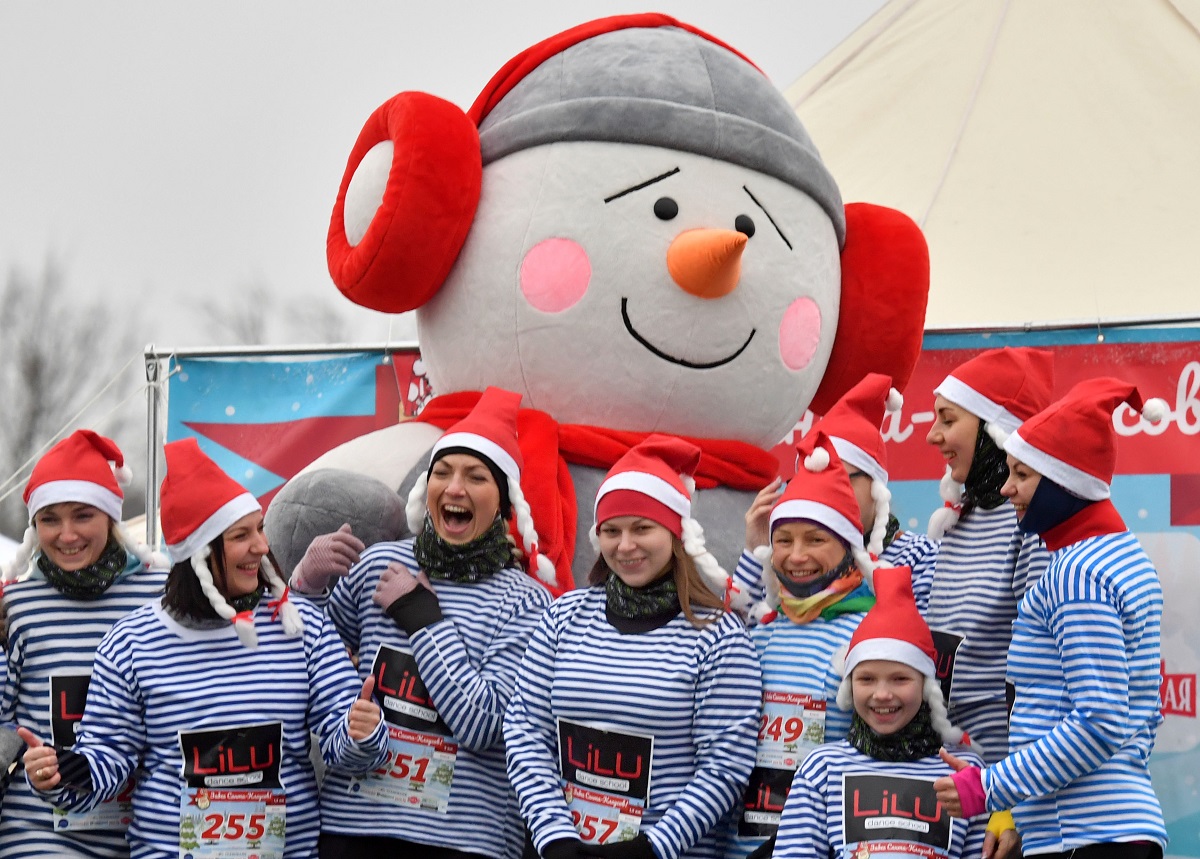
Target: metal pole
{"type": "Point", "coordinates": [153, 439]}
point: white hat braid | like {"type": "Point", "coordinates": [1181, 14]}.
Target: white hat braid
{"type": "Point", "coordinates": [19, 565]}
{"type": "Point", "coordinates": [770, 601]}
{"type": "Point", "coordinates": [150, 559]}
{"type": "Point", "coordinates": [245, 631]}
{"type": "Point", "coordinates": [542, 565]}
{"type": "Point", "coordinates": [882, 496]}
{"type": "Point", "coordinates": [946, 516]}
{"type": "Point", "coordinates": [414, 509]}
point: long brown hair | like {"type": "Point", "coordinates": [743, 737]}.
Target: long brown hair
{"type": "Point", "coordinates": [183, 594]}
{"type": "Point", "coordinates": [693, 592]}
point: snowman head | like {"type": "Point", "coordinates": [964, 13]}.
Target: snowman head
{"type": "Point", "coordinates": [649, 240]}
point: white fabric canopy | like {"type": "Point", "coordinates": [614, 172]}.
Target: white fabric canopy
{"type": "Point", "coordinates": [1050, 150]}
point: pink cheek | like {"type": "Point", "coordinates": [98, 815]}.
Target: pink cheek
{"type": "Point", "coordinates": [799, 333]}
{"type": "Point", "coordinates": [555, 274]}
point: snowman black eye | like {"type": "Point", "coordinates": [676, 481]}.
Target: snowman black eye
{"type": "Point", "coordinates": [744, 224]}
{"type": "Point", "coordinates": [665, 208]}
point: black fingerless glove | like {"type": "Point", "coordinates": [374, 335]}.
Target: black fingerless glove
{"type": "Point", "coordinates": [416, 610]}
{"type": "Point", "coordinates": [562, 848]}
{"type": "Point", "coordinates": [73, 767]}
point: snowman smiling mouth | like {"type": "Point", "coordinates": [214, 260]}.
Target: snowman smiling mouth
{"type": "Point", "coordinates": [683, 362]}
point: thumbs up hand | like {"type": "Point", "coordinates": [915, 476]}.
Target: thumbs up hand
{"type": "Point", "coordinates": [41, 762]}
{"type": "Point", "coordinates": [364, 714]}
{"type": "Point", "coordinates": [961, 793]}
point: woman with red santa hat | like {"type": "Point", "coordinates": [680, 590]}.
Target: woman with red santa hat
{"type": "Point", "coordinates": [86, 574]}
{"type": "Point", "coordinates": [632, 729]}
{"type": "Point", "coordinates": [1085, 654]}
{"type": "Point", "coordinates": [441, 621]}
{"type": "Point", "coordinates": [984, 563]}
{"type": "Point", "coordinates": [215, 692]}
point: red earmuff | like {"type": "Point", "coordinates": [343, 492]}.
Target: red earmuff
{"type": "Point", "coordinates": [427, 207]}
{"type": "Point", "coordinates": [885, 289]}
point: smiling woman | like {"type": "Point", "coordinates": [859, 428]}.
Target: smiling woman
{"type": "Point", "coordinates": [642, 667]}
{"type": "Point", "coordinates": [85, 575]}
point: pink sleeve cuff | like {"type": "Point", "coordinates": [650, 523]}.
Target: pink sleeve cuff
{"type": "Point", "coordinates": [969, 782]}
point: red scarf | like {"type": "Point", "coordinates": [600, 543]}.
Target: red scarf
{"type": "Point", "coordinates": [547, 446]}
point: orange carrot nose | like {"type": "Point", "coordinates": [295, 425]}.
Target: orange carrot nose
{"type": "Point", "coordinates": [706, 263]}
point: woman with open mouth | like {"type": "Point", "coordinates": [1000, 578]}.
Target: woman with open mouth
{"type": "Point", "coordinates": [631, 732]}
{"type": "Point", "coordinates": [1086, 648]}
{"type": "Point", "coordinates": [86, 574]}
{"type": "Point", "coordinates": [440, 622]}
{"type": "Point", "coordinates": [214, 691]}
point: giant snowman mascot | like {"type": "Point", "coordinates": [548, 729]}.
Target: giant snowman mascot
{"type": "Point", "coordinates": [631, 228]}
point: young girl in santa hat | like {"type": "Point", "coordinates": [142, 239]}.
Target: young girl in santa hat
{"type": "Point", "coordinates": [214, 691]}
{"type": "Point", "coordinates": [76, 573]}
{"type": "Point", "coordinates": [1085, 655]}
{"type": "Point", "coordinates": [631, 731]}
{"type": "Point", "coordinates": [874, 791]}
{"type": "Point", "coordinates": [441, 622]}
{"type": "Point", "coordinates": [984, 563]}
{"type": "Point", "coordinates": [817, 593]}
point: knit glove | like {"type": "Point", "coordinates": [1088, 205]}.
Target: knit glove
{"type": "Point", "coordinates": [563, 848]}
{"type": "Point", "coordinates": [329, 556]}
{"type": "Point", "coordinates": [407, 599]}
{"type": "Point", "coordinates": [635, 848]}
{"type": "Point", "coordinates": [969, 782]}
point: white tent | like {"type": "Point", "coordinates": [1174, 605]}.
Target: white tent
{"type": "Point", "coordinates": [1049, 150]}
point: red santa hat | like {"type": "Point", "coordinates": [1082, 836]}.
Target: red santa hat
{"type": "Point", "coordinates": [83, 468]}
{"type": "Point", "coordinates": [1073, 442]}
{"type": "Point", "coordinates": [655, 480]}
{"type": "Point", "coordinates": [853, 425]}
{"type": "Point", "coordinates": [198, 503]}
{"type": "Point", "coordinates": [490, 430]}
{"type": "Point", "coordinates": [86, 468]}
{"type": "Point", "coordinates": [1001, 387]}
{"type": "Point", "coordinates": [819, 492]}
{"type": "Point", "coordinates": [894, 631]}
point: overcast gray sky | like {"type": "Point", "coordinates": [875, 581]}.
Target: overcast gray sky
{"type": "Point", "coordinates": [167, 152]}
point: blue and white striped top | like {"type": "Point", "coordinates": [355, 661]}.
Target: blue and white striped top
{"type": "Point", "coordinates": [984, 566]}
{"type": "Point", "coordinates": [53, 636]}
{"type": "Point", "coordinates": [799, 658]}
{"type": "Point", "coordinates": [1085, 662]}
{"type": "Point", "coordinates": [696, 691]}
{"type": "Point", "coordinates": [468, 661]}
{"type": "Point", "coordinates": [813, 825]}
{"type": "Point", "coordinates": [154, 678]}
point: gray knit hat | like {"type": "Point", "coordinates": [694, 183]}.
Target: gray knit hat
{"type": "Point", "coordinates": [651, 80]}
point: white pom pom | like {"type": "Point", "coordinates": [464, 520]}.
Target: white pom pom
{"type": "Point", "coordinates": [999, 436]}
{"type": "Point", "coordinates": [818, 460]}
{"type": "Point", "coordinates": [894, 402]}
{"type": "Point", "coordinates": [689, 483]}
{"type": "Point", "coordinates": [1155, 410]}
{"type": "Point", "coordinates": [123, 474]}
{"type": "Point", "coordinates": [545, 570]}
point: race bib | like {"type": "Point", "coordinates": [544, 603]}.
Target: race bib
{"type": "Point", "coordinates": [606, 780]}
{"type": "Point", "coordinates": [893, 816]}
{"type": "Point", "coordinates": [421, 752]}
{"type": "Point", "coordinates": [232, 805]}
{"type": "Point", "coordinates": [68, 693]}
{"type": "Point", "coordinates": [791, 725]}
{"type": "Point", "coordinates": [946, 644]}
